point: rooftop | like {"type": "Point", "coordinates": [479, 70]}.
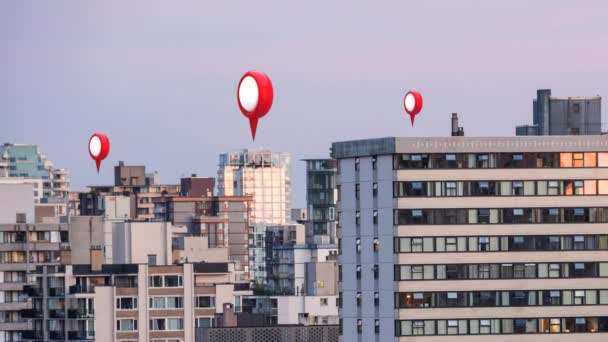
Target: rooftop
{"type": "Point", "coordinates": [390, 145]}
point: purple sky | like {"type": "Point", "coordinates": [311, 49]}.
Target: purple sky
{"type": "Point", "coordinates": [159, 78]}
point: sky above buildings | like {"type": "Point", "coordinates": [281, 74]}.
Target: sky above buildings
{"type": "Point", "coordinates": [159, 78]}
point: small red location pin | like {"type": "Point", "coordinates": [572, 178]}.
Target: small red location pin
{"type": "Point", "coordinates": [99, 147]}
{"type": "Point", "coordinates": [254, 96]}
{"type": "Point", "coordinates": [412, 103]}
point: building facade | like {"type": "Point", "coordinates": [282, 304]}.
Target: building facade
{"type": "Point", "coordinates": [224, 220]}
{"type": "Point", "coordinates": [473, 236]}
{"type": "Point", "coordinates": [128, 302]}
{"type": "Point", "coordinates": [321, 199]}
{"type": "Point", "coordinates": [27, 162]}
{"type": "Point", "coordinates": [564, 115]}
{"type": "Point", "coordinates": [263, 174]}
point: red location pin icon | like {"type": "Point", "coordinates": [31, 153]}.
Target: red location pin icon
{"type": "Point", "coordinates": [412, 103]}
{"type": "Point", "coordinates": [254, 96]}
{"type": "Point", "coordinates": [99, 147]}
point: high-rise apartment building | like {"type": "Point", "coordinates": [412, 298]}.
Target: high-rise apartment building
{"type": "Point", "coordinates": [24, 245]}
{"type": "Point", "coordinates": [579, 115]}
{"type": "Point", "coordinates": [473, 236]}
{"type": "Point", "coordinates": [263, 174]}
{"type": "Point", "coordinates": [321, 199]}
{"type": "Point", "coordinates": [27, 162]}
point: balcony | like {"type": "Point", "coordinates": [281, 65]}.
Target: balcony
{"type": "Point", "coordinates": [31, 335]}
{"type": "Point", "coordinates": [81, 335]}
{"type": "Point", "coordinates": [56, 292]}
{"type": "Point", "coordinates": [80, 313]}
{"type": "Point", "coordinates": [57, 313]}
{"type": "Point", "coordinates": [31, 313]}
{"type": "Point", "coordinates": [16, 326]}
{"type": "Point", "coordinates": [81, 289]}
{"type": "Point", "coordinates": [32, 291]}
{"type": "Point", "coordinates": [56, 335]}
{"type": "Point", "coordinates": [15, 306]}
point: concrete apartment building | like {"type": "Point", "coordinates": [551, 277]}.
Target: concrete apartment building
{"type": "Point", "coordinates": [23, 246]}
{"type": "Point", "coordinates": [463, 236]}
{"type": "Point", "coordinates": [578, 115]}
{"type": "Point", "coordinates": [132, 182]}
{"type": "Point", "coordinates": [223, 220]}
{"type": "Point", "coordinates": [291, 262]}
{"type": "Point", "coordinates": [128, 302]}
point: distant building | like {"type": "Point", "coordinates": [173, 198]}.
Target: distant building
{"type": "Point", "coordinates": [194, 186]}
{"type": "Point", "coordinates": [28, 163]}
{"type": "Point", "coordinates": [321, 197]}
{"type": "Point", "coordinates": [263, 174]}
{"type": "Point", "coordinates": [132, 182]}
{"type": "Point", "coordinates": [288, 257]}
{"type": "Point", "coordinates": [564, 115]}
{"type": "Point", "coordinates": [224, 220]}
{"type": "Point", "coordinates": [128, 302]}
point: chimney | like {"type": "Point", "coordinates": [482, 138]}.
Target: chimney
{"type": "Point", "coordinates": [456, 130]}
{"type": "Point", "coordinates": [96, 258]}
{"type": "Point", "coordinates": [454, 124]}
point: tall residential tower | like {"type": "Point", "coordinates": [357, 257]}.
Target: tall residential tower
{"type": "Point", "coordinates": [473, 236]}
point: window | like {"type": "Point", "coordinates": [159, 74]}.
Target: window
{"type": "Point", "coordinates": [126, 303]}
{"type": "Point", "coordinates": [323, 301]}
{"type": "Point", "coordinates": [357, 162]}
{"type": "Point", "coordinates": [357, 217]}
{"type": "Point", "coordinates": [205, 322]}
{"type": "Point", "coordinates": [376, 270]}
{"type": "Point", "coordinates": [126, 325]}
{"type": "Point", "coordinates": [375, 217]}
{"type": "Point", "coordinates": [358, 271]}
{"type": "Point", "coordinates": [157, 302]}
{"type": "Point", "coordinates": [374, 162]}
{"type": "Point", "coordinates": [358, 298]}
{"type": "Point", "coordinates": [205, 302]}
{"type": "Point", "coordinates": [358, 245]}
{"type": "Point", "coordinates": [160, 324]}
{"type": "Point", "coordinates": [376, 299]}
{"type": "Point", "coordinates": [377, 326]}
{"type": "Point", "coordinates": [173, 281]}
{"type": "Point", "coordinates": [359, 326]}
{"type": "Point", "coordinates": [417, 245]}
{"type": "Point", "coordinates": [175, 324]}
{"type": "Point", "coordinates": [376, 245]}
{"type": "Point", "coordinates": [175, 302]}
{"type": "Point", "coordinates": [357, 191]}
{"type": "Point", "coordinates": [450, 189]}
{"type": "Point", "coordinates": [375, 189]}
{"type": "Point", "coordinates": [155, 281]}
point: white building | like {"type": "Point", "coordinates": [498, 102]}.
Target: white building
{"type": "Point", "coordinates": [473, 236]}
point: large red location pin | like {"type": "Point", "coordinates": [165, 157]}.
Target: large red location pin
{"type": "Point", "coordinates": [412, 103]}
{"type": "Point", "coordinates": [254, 96]}
{"type": "Point", "coordinates": [99, 147]}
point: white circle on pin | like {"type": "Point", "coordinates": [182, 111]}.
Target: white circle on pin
{"type": "Point", "coordinates": [410, 102]}
{"type": "Point", "coordinates": [249, 94]}
{"type": "Point", "coordinates": [95, 146]}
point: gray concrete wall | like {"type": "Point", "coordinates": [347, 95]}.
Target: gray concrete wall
{"type": "Point", "coordinates": [16, 198]}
